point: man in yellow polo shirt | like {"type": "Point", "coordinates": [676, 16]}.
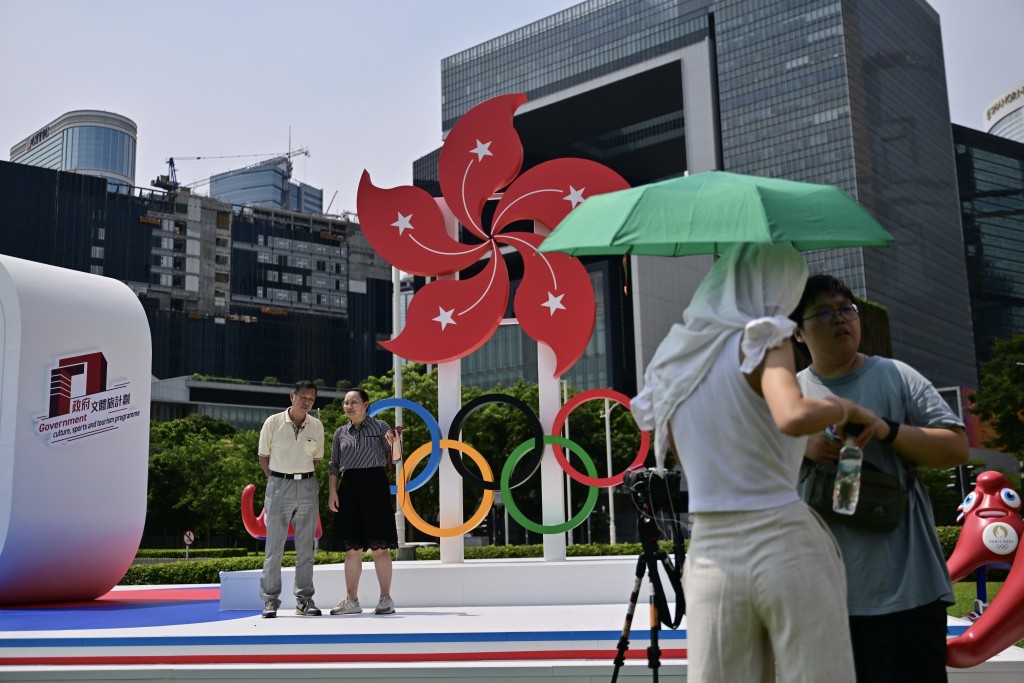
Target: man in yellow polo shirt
{"type": "Point", "coordinates": [291, 445]}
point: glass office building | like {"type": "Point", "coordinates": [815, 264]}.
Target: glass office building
{"type": "Point", "coordinates": [826, 91]}
{"type": "Point", "coordinates": [1005, 116]}
{"type": "Point", "coordinates": [95, 143]}
{"type": "Point", "coordinates": [510, 355]}
{"type": "Point", "coordinates": [267, 184]}
{"type": "Point", "coordinates": [990, 170]}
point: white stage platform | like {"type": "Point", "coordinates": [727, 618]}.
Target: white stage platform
{"type": "Point", "coordinates": [478, 583]}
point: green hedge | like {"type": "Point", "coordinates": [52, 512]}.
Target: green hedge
{"type": "Point", "coordinates": [202, 571]}
{"type": "Point", "coordinates": [193, 552]}
{"type": "Point", "coordinates": [948, 536]}
{"type": "Point", "coordinates": [208, 571]}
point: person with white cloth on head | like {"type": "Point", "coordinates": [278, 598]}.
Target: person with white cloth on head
{"type": "Point", "coordinates": [764, 581]}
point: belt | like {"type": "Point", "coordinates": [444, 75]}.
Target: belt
{"type": "Point", "coordinates": [298, 475]}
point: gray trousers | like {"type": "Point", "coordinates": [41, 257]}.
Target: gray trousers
{"type": "Point", "coordinates": [295, 502]}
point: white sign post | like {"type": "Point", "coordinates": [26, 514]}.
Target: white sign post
{"type": "Point", "coordinates": [189, 537]}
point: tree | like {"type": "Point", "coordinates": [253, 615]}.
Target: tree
{"type": "Point", "coordinates": [943, 493]}
{"type": "Point", "coordinates": [197, 470]}
{"type": "Point", "coordinates": [1000, 400]}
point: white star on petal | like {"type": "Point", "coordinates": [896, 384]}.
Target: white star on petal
{"type": "Point", "coordinates": [575, 196]}
{"type": "Point", "coordinates": [444, 317]}
{"type": "Point", "coordinates": [554, 302]}
{"type": "Point", "coordinates": [482, 149]}
{"type": "Point", "coordinates": [403, 223]}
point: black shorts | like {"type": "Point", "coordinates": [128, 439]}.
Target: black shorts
{"type": "Point", "coordinates": [902, 646]}
{"type": "Point", "coordinates": [366, 514]}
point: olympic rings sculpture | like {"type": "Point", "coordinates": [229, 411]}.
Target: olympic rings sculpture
{"type": "Point", "coordinates": [485, 503]}
{"type": "Point", "coordinates": [536, 452]}
{"type": "Point", "coordinates": [432, 427]}
{"type": "Point", "coordinates": [528, 453]}
{"type": "Point", "coordinates": [510, 503]}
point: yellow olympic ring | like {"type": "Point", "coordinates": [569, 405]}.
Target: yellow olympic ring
{"type": "Point", "coordinates": [406, 501]}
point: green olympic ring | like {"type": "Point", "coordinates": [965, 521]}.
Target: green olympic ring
{"type": "Point", "coordinates": [506, 490]}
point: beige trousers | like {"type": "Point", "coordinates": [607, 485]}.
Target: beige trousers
{"type": "Point", "coordinates": [766, 596]}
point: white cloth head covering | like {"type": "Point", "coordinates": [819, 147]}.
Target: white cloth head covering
{"type": "Point", "coordinates": [752, 287]}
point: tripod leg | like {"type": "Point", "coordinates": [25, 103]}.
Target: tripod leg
{"type": "Point", "coordinates": [653, 651]}
{"type": "Point", "coordinates": [623, 645]}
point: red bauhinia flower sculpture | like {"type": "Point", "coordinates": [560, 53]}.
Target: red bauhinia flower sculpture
{"type": "Point", "coordinates": [449, 319]}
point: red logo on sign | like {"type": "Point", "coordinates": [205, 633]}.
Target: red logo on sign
{"type": "Point", "coordinates": [449, 319]}
{"type": "Point", "coordinates": [92, 365]}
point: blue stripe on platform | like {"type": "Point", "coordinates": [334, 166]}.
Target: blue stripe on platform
{"type": "Point", "coordinates": [122, 615]}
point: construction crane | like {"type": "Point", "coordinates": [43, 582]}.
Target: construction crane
{"type": "Point", "coordinates": [170, 182]}
{"type": "Point", "coordinates": [167, 182]}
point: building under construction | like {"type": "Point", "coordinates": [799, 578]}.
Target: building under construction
{"type": "Point", "coordinates": [230, 291]}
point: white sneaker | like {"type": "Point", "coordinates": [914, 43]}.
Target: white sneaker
{"type": "Point", "coordinates": [385, 606]}
{"type": "Point", "coordinates": [347, 606]}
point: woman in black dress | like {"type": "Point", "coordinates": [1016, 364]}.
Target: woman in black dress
{"type": "Point", "coordinates": [363, 450]}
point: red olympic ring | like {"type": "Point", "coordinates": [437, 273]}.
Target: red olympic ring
{"type": "Point", "coordinates": [563, 415]}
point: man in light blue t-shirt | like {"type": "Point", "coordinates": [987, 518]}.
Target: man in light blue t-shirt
{"type": "Point", "coordinates": [898, 585]}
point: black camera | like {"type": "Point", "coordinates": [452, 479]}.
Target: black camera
{"type": "Point", "coordinates": [656, 494]}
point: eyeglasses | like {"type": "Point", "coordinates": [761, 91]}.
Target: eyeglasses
{"type": "Point", "coordinates": [848, 312]}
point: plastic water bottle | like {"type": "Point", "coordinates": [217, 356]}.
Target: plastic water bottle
{"type": "Point", "coordinates": [847, 489]}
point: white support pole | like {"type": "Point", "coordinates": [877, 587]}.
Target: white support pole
{"type": "Point", "coordinates": [396, 322]}
{"type": "Point", "coordinates": [551, 475]}
{"type": "Point", "coordinates": [449, 395]}
{"type": "Point", "coordinates": [449, 402]}
{"type": "Point", "coordinates": [568, 456]}
{"type": "Point", "coordinates": [608, 455]}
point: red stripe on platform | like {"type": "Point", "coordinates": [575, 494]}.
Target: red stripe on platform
{"type": "Point", "coordinates": [134, 597]}
{"type": "Point", "coordinates": [163, 594]}
{"type": "Point", "coordinates": [532, 655]}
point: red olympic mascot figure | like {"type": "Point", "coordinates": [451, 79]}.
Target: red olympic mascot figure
{"type": "Point", "coordinates": [257, 525]}
{"type": "Point", "coordinates": [992, 530]}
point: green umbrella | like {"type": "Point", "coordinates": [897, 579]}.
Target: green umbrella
{"type": "Point", "coordinates": [706, 212]}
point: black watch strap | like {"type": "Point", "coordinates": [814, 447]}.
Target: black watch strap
{"type": "Point", "coordinates": [894, 428]}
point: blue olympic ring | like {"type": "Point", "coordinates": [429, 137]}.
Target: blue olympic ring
{"type": "Point", "coordinates": [435, 437]}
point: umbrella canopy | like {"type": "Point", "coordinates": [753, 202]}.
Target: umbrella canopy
{"type": "Point", "coordinates": [706, 212]}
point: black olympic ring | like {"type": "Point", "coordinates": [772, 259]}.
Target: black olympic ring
{"type": "Point", "coordinates": [531, 462]}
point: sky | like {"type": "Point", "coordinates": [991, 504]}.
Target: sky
{"type": "Point", "coordinates": [356, 82]}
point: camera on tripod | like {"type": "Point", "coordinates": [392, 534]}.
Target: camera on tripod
{"type": "Point", "coordinates": [656, 494]}
{"type": "Point", "coordinates": [660, 500]}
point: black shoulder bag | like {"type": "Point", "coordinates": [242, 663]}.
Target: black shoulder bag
{"type": "Point", "coordinates": [880, 506]}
